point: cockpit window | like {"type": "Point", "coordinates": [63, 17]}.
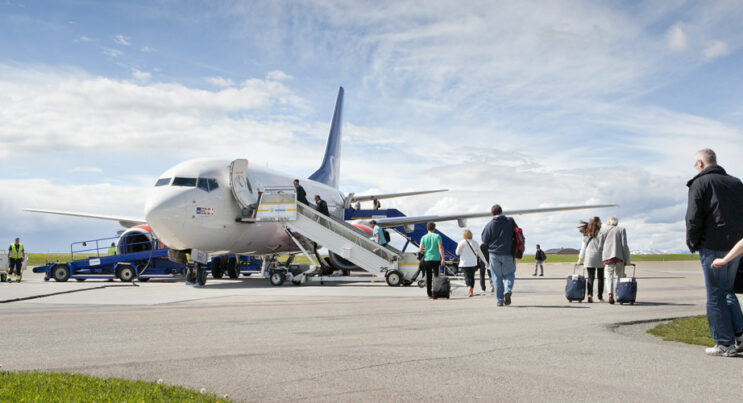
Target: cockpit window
{"type": "Point", "coordinates": [207, 184]}
{"type": "Point", "coordinates": [162, 182]}
{"type": "Point", "coordinates": [184, 181]}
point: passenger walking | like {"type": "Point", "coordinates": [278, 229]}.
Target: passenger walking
{"type": "Point", "coordinates": [591, 253]}
{"type": "Point", "coordinates": [432, 249]}
{"type": "Point", "coordinates": [357, 205]}
{"type": "Point", "coordinates": [486, 268]}
{"type": "Point", "coordinates": [714, 222]}
{"type": "Point", "coordinates": [378, 233]}
{"type": "Point", "coordinates": [16, 255]}
{"type": "Point", "coordinates": [301, 193]}
{"type": "Point", "coordinates": [471, 258]}
{"type": "Point", "coordinates": [614, 252]}
{"type": "Point", "coordinates": [321, 206]}
{"type": "Point", "coordinates": [377, 204]}
{"type": "Point", "coordinates": [539, 258]}
{"type": "Point", "coordinates": [498, 235]}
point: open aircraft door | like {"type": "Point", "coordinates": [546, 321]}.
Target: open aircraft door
{"type": "Point", "coordinates": [241, 187]}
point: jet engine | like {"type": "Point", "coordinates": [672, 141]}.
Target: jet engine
{"type": "Point", "coordinates": [134, 239]}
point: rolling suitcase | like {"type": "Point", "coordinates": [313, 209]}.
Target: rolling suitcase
{"type": "Point", "coordinates": [627, 288]}
{"type": "Point", "coordinates": [575, 289]}
{"type": "Point", "coordinates": [440, 288]}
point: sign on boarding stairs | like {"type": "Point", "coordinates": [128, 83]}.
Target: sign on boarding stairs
{"type": "Point", "coordinates": [350, 243]}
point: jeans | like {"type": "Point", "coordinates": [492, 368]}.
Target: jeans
{"type": "Point", "coordinates": [502, 268]}
{"type": "Point", "coordinates": [469, 275]}
{"type": "Point", "coordinates": [591, 275]}
{"type": "Point", "coordinates": [723, 309]}
{"type": "Point", "coordinates": [482, 276]}
{"type": "Point", "coordinates": [539, 265]}
{"type": "Point", "coordinates": [611, 269]}
{"type": "Point", "coordinates": [432, 270]}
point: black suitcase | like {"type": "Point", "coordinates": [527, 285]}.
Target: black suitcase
{"type": "Point", "coordinates": [575, 289]}
{"type": "Point", "coordinates": [441, 287]}
{"type": "Point", "coordinates": [627, 288]}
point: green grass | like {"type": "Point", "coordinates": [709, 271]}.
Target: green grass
{"type": "Point", "coordinates": [693, 330]}
{"type": "Point", "coordinates": [61, 387]}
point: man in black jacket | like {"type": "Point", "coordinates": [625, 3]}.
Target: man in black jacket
{"type": "Point", "coordinates": [321, 205]}
{"type": "Point", "coordinates": [498, 235]}
{"type": "Point", "coordinates": [301, 194]}
{"type": "Point", "coordinates": [714, 223]}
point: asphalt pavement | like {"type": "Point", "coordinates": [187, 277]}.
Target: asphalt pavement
{"type": "Point", "coordinates": [370, 342]}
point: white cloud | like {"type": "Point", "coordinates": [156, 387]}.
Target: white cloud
{"type": "Point", "coordinates": [220, 81]}
{"type": "Point", "coordinates": [148, 49]}
{"type": "Point", "coordinates": [278, 75]}
{"type": "Point", "coordinates": [714, 50]}
{"type": "Point", "coordinates": [84, 38]}
{"type": "Point", "coordinates": [122, 40]}
{"type": "Point", "coordinates": [87, 169]}
{"type": "Point", "coordinates": [676, 38]}
{"type": "Point", "coordinates": [141, 75]}
{"type": "Point", "coordinates": [112, 52]}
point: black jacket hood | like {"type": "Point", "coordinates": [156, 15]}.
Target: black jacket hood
{"type": "Point", "coordinates": [715, 169]}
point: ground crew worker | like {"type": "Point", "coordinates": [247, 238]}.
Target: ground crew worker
{"type": "Point", "coordinates": [16, 254]}
{"type": "Point", "coordinates": [112, 249]}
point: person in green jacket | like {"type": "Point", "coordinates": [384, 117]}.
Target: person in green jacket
{"type": "Point", "coordinates": [432, 249]}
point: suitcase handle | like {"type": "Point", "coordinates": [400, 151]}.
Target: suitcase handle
{"type": "Point", "coordinates": [634, 268]}
{"type": "Point", "coordinates": [582, 271]}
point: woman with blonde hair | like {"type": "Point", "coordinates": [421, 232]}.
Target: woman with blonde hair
{"type": "Point", "coordinates": [591, 251]}
{"type": "Point", "coordinates": [470, 259]}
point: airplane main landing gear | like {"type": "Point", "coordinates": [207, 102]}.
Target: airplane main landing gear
{"type": "Point", "coordinates": [200, 274]}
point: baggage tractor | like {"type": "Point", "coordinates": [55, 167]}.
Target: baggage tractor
{"type": "Point", "coordinates": [627, 288]}
{"type": "Point", "coordinates": [440, 287]}
{"type": "Point", "coordinates": [575, 289]}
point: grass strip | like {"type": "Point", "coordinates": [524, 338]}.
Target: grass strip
{"type": "Point", "coordinates": [692, 330]}
{"type": "Point", "coordinates": [55, 387]}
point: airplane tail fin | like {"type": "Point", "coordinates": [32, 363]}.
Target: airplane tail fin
{"type": "Point", "coordinates": [329, 171]}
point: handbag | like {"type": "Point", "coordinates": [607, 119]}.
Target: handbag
{"type": "Point", "coordinates": [480, 263]}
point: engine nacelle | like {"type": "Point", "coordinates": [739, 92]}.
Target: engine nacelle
{"type": "Point", "coordinates": [340, 263]}
{"type": "Point", "coordinates": [134, 239]}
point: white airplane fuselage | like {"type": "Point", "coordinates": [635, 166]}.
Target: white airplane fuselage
{"type": "Point", "coordinates": [189, 216]}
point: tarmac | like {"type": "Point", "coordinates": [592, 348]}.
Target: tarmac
{"type": "Point", "coordinates": [370, 342]}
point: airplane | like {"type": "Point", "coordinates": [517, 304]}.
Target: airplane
{"type": "Point", "coordinates": [196, 205]}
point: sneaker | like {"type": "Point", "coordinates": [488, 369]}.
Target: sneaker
{"type": "Point", "coordinates": [739, 344]}
{"type": "Point", "coordinates": [590, 299]}
{"type": "Point", "coordinates": [500, 304]}
{"type": "Point", "coordinates": [469, 293]}
{"type": "Point", "coordinates": [508, 298]}
{"type": "Point", "coordinates": [535, 274]}
{"type": "Point", "coordinates": [541, 275]}
{"type": "Point", "coordinates": [492, 289]}
{"type": "Point", "coordinates": [611, 299]}
{"type": "Point", "coordinates": [722, 351]}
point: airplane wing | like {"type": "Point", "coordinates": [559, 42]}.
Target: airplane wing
{"type": "Point", "coordinates": [393, 195]}
{"type": "Point", "coordinates": [126, 222]}
{"type": "Point", "coordinates": [398, 221]}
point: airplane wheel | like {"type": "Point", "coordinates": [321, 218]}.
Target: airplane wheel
{"type": "Point", "coordinates": [394, 278]}
{"type": "Point", "coordinates": [233, 268]}
{"type": "Point", "coordinates": [277, 278]}
{"type": "Point", "coordinates": [127, 274]}
{"type": "Point", "coordinates": [217, 269]}
{"type": "Point", "coordinates": [200, 275]}
{"type": "Point", "coordinates": [61, 273]}
{"type": "Point", "coordinates": [190, 274]}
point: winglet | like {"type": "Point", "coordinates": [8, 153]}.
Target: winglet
{"type": "Point", "coordinates": [329, 171]}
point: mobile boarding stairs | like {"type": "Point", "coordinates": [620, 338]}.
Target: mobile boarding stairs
{"type": "Point", "coordinates": [279, 204]}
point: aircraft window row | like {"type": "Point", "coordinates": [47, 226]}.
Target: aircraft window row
{"type": "Point", "coordinates": [162, 182]}
{"type": "Point", "coordinates": [207, 184]}
{"type": "Point", "coordinates": [190, 182]}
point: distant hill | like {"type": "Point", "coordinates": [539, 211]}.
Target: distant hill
{"type": "Point", "coordinates": [562, 251]}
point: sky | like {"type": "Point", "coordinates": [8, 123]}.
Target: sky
{"type": "Point", "coordinates": [526, 104]}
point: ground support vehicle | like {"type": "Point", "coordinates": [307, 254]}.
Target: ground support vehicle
{"type": "Point", "coordinates": [145, 260]}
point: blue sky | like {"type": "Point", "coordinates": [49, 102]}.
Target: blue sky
{"type": "Point", "coordinates": [523, 103]}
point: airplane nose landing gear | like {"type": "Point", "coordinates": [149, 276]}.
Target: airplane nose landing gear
{"type": "Point", "coordinates": [196, 274]}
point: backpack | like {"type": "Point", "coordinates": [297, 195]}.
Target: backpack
{"type": "Point", "coordinates": [386, 236]}
{"type": "Point", "coordinates": [519, 242]}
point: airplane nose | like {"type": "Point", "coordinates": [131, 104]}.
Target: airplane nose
{"type": "Point", "coordinates": [165, 212]}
